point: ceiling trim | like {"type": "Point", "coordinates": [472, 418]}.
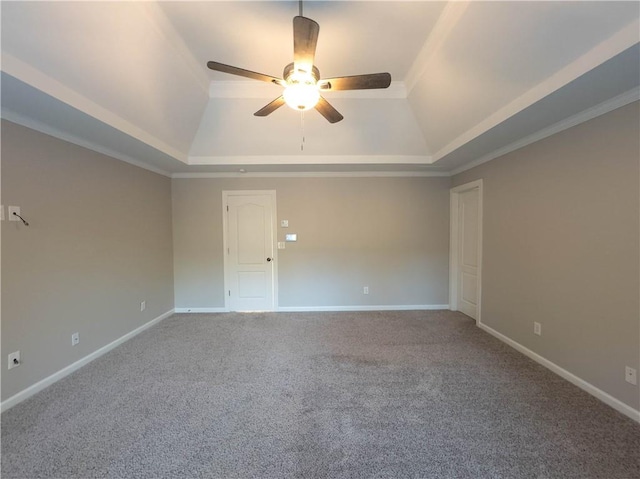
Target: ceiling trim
{"type": "Point", "coordinates": [448, 19]}
{"type": "Point", "coordinates": [309, 160]}
{"type": "Point", "coordinates": [40, 81]}
{"type": "Point", "coordinates": [165, 28]}
{"type": "Point", "coordinates": [257, 89]}
{"type": "Point", "coordinates": [68, 137]}
{"type": "Point", "coordinates": [617, 43]}
{"type": "Point", "coordinates": [317, 174]}
{"type": "Point", "coordinates": [586, 115]}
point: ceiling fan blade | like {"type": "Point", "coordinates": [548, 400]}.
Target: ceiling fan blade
{"type": "Point", "coordinates": [356, 82]}
{"type": "Point", "coordinates": [329, 112]}
{"type": "Point", "coordinates": [305, 39]}
{"type": "Point", "coordinates": [221, 67]}
{"type": "Point", "coordinates": [271, 107]}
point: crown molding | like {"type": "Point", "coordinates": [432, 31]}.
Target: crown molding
{"type": "Point", "coordinates": [61, 135]}
{"type": "Point", "coordinates": [317, 174]}
{"type": "Point", "coordinates": [48, 85]}
{"type": "Point", "coordinates": [586, 115]}
{"type": "Point", "coordinates": [258, 89]}
{"type": "Point", "coordinates": [309, 160]}
{"type": "Point", "coordinates": [622, 40]}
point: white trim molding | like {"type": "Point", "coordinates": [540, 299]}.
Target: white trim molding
{"type": "Point", "coordinates": [48, 85]}
{"type": "Point", "coordinates": [589, 114]}
{"type": "Point", "coordinates": [272, 194]}
{"type": "Point", "coordinates": [572, 378]}
{"type": "Point", "coordinates": [201, 310]}
{"type": "Point", "coordinates": [55, 377]}
{"type": "Point", "coordinates": [625, 38]}
{"type": "Point", "coordinates": [453, 244]}
{"type": "Point", "coordinates": [387, 307]}
{"type": "Point", "coordinates": [316, 174]}
{"type": "Point", "coordinates": [310, 160]}
{"type": "Point", "coordinates": [76, 140]}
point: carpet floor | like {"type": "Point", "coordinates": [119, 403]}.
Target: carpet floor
{"type": "Point", "coordinates": [412, 394]}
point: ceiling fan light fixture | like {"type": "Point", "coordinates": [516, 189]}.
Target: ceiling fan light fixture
{"type": "Point", "coordinates": [301, 92]}
{"type": "Point", "coordinates": [301, 97]}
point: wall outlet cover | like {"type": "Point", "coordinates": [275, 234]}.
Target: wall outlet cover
{"type": "Point", "coordinates": [631, 375]}
{"type": "Point", "coordinates": [537, 328]}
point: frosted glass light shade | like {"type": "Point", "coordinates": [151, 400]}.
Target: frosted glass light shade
{"type": "Point", "coordinates": [301, 96]}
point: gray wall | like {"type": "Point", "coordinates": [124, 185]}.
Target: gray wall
{"type": "Point", "coordinates": [99, 242]}
{"type": "Point", "coordinates": [391, 234]}
{"type": "Point", "coordinates": [561, 246]}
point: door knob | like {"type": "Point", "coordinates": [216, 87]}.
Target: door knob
{"type": "Point", "coordinates": [268, 259]}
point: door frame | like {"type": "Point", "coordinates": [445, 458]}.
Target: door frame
{"type": "Point", "coordinates": [454, 195]}
{"type": "Point", "coordinates": [274, 237]}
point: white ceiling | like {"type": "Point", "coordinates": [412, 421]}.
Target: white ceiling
{"type": "Point", "coordinates": [471, 80]}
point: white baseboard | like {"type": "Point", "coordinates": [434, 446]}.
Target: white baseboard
{"type": "Point", "coordinates": [48, 381]}
{"type": "Point", "coordinates": [572, 378]}
{"type": "Point", "coordinates": [393, 307]}
{"type": "Point", "coordinates": [201, 310]}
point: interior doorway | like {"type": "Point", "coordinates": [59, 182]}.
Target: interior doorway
{"type": "Point", "coordinates": [465, 264]}
{"type": "Point", "coordinates": [250, 264]}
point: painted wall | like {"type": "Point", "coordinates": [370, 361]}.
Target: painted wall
{"type": "Point", "coordinates": [561, 246]}
{"type": "Point", "coordinates": [390, 234]}
{"type": "Point", "coordinates": [99, 242]}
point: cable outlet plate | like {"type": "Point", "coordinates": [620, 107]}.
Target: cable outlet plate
{"type": "Point", "coordinates": [631, 375]}
{"type": "Point", "coordinates": [75, 339]}
{"type": "Point", "coordinates": [12, 210]}
{"type": "Point", "coordinates": [14, 359]}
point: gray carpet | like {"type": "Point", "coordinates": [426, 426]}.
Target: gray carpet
{"type": "Point", "coordinates": [327, 395]}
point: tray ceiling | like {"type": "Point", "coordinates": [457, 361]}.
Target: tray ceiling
{"type": "Point", "coordinates": [471, 80]}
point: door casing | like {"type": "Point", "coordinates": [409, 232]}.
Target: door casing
{"type": "Point", "coordinates": [455, 243]}
{"type": "Point", "coordinates": [225, 231]}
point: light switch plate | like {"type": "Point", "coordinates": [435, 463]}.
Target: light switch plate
{"type": "Point", "coordinates": [281, 244]}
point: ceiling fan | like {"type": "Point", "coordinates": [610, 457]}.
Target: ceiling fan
{"type": "Point", "coordinates": [301, 79]}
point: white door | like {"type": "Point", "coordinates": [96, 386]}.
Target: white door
{"type": "Point", "coordinates": [250, 263]}
{"type": "Point", "coordinates": [465, 265]}
{"type": "Point", "coordinates": [468, 252]}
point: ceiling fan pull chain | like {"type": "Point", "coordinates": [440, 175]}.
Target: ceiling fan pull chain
{"type": "Point", "coordinates": [302, 130]}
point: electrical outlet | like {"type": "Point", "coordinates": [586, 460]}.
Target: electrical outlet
{"type": "Point", "coordinates": [365, 290]}
{"type": "Point", "coordinates": [12, 210]}
{"type": "Point", "coordinates": [537, 328]}
{"type": "Point", "coordinates": [631, 375]}
{"type": "Point", "coordinates": [14, 360]}
{"type": "Point", "coordinates": [75, 339]}
{"type": "Point", "coordinates": [143, 305]}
